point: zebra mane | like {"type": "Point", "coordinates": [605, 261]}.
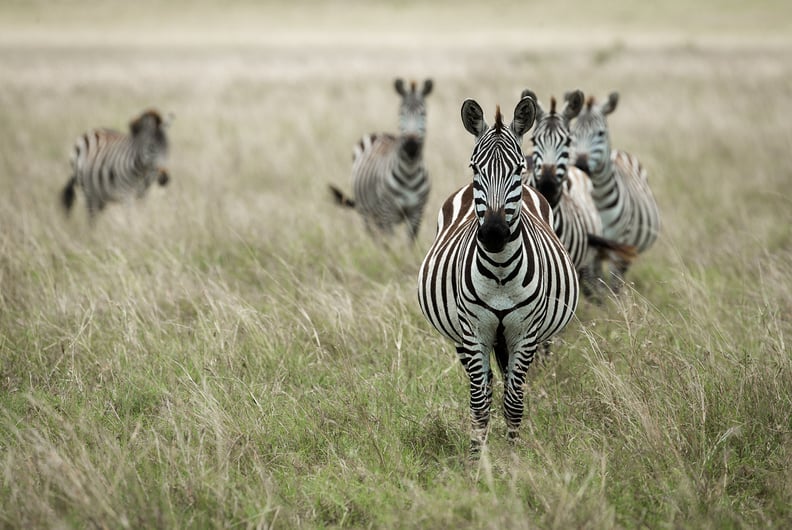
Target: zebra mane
{"type": "Point", "coordinates": [412, 86]}
{"type": "Point", "coordinates": [498, 118]}
{"type": "Point", "coordinates": [589, 102]}
{"type": "Point", "coordinates": [552, 105]}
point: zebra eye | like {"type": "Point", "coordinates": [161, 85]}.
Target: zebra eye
{"type": "Point", "coordinates": [601, 133]}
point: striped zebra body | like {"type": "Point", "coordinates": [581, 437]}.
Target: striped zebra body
{"type": "Point", "coordinates": [565, 187]}
{"type": "Point", "coordinates": [625, 201]}
{"type": "Point", "coordinates": [390, 186]}
{"type": "Point", "coordinates": [109, 166]}
{"type": "Point", "coordinates": [568, 189]}
{"type": "Point", "coordinates": [575, 217]}
{"type": "Point", "coordinates": [497, 277]}
{"type": "Point", "coordinates": [389, 179]}
{"type": "Point", "coordinates": [621, 189]}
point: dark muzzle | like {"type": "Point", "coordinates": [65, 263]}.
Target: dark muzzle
{"type": "Point", "coordinates": [547, 184]}
{"type": "Point", "coordinates": [581, 162]}
{"type": "Point", "coordinates": [494, 233]}
{"type": "Point", "coordinates": [412, 146]}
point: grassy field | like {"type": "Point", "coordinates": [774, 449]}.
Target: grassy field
{"type": "Point", "coordinates": [235, 351]}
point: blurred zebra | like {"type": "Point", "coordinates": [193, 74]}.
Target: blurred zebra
{"type": "Point", "coordinates": [497, 277]}
{"type": "Point", "coordinates": [390, 181]}
{"type": "Point", "coordinates": [576, 220]}
{"type": "Point", "coordinates": [110, 166]}
{"type": "Point", "coordinates": [621, 189]}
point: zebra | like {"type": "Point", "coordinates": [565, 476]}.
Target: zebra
{"type": "Point", "coordinates": [389, 178]}
{"type": "Point", "coordinates": [576, 221]}
{"type": "Point", "coordinates": [621, 189]}
{"type": "Point", "coordinates": [497, 277]}
{"type": "Point", "coordinates": [110, 166]}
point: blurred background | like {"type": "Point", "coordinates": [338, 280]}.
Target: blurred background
{"type": "Point", "coordinates": [235, 350]}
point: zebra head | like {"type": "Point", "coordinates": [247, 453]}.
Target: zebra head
{"type": "Point", "coordinates": [412, 115]}
{"type": "Point", "coordinates": [497, 162]}
{"type": "Point", "coordinates": [148, 135]}
{"type": "Point", "coordinates": [590, 135]}
{"type": "Point", "coordinates": [552, 139]}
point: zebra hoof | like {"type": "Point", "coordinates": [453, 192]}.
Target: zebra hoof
{"type": "Point", "coordinates": [475, 450]}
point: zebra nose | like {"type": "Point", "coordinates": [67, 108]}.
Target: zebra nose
{"type": "Point", "coordinates": [494, 232]}
{"type": "Point", "coordinates": [547, 184]}
{"type": "Point", "coordinates": [412, 146]}
{"type": "Point", "coordinates": [581, 162]}
{"type": "Point", "coordinates": [548, 172]}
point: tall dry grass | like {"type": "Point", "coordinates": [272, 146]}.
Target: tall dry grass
{"type": "Point", "coordinates": [235, 351]}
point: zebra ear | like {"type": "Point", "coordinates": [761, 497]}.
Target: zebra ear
{"type": "Point", "coordinates": [574, 104]}
{"type": "Point", "coordinates": [610, 105]}
{"type": "Point", "coordinates": [427, 88]}
{"type": "Point", "coordinates": [399, 86]}
{"type": "Point", "coordinates": [528, 93]}
{"type": "Point", "coordinates": [524, 115]}
{"type": "Point", "coordinates": [136, 125]}
{"type": "Point", "coordinates": [473, 118]}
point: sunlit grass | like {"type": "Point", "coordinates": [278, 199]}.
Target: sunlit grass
{"type": "Point", "coordinates": [236, 351]}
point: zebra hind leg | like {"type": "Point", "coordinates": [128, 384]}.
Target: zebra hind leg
{"type": "Point", "coordinates": [619, 269]}
{"type": "Point", "coordinates": [590, 285]}
{"type": "Point", "coordinates": [68, 194]}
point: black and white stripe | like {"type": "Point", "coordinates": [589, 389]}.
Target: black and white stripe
{"type": "Point", "coordinates": [497, 277]}
{"type": "Point", "coordinates": [621, 189]}
{"type": "Point", "coordinates": [110, 166]}
{"type": "Point", "coordinates": [565, 188]}
{"type": "Point", "coordinates": [577, 222]}
{"type": "Point", "coordinates": [389, 178]}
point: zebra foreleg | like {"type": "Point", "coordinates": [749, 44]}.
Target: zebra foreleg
{"type": "Point", "coordinates": [94, 207]}
{"type": "Point", "coordinates": [480, 375]}
{"type": "Point", "coordinates": [514, 390]}
{"type": "Point", "coordinates": [414, 225]}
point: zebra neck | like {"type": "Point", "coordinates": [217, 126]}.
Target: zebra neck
{"type": "Point", "coordinates": [145, 154]}
{"type": "Point", "coordinates": [603, 176]}
{"type": "Point", "coordinates": [408, 168]}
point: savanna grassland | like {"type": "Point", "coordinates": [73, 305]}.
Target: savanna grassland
{"type": "Point", "coordinates": [235, 351]}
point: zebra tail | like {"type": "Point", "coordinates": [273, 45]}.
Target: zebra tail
{"type": "Point", "coordinates": [340, 198]}
{"type": "Point", "coordinates": [68, 194]}
{"type": "Point", "coordinates": [604, 246]}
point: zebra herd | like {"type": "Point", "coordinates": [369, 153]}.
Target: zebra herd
{"type": "Point", "coordinates": [513, 248]}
